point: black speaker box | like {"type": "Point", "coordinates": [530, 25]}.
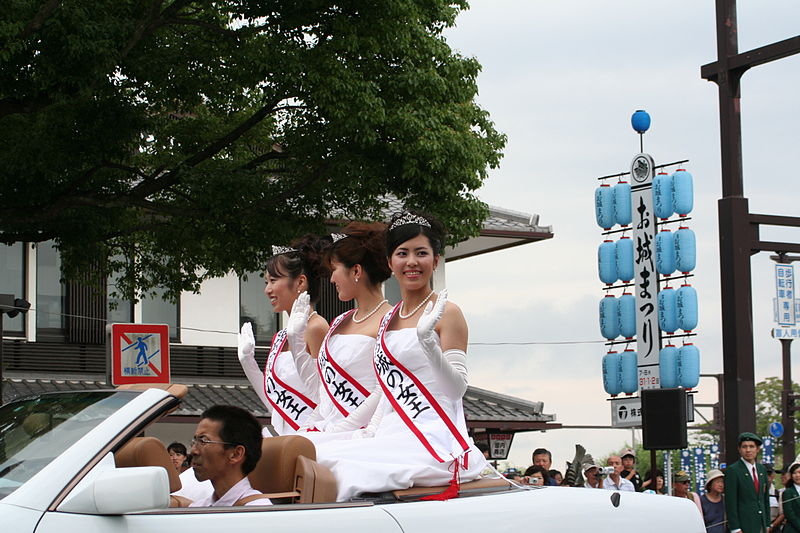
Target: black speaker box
{"type": "Point", "coordinates": [664, 419]}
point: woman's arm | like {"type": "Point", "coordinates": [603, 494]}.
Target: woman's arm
{"type": "Point", "coordinates": [446, 355]}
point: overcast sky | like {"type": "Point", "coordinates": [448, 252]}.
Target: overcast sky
{"type": "Point", "coordinates": [561, 79]}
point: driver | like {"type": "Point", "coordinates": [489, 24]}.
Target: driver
{"type": "Point", "coordinates": [225, 448]}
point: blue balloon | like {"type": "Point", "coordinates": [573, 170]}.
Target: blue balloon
{"type": "Point", "coordinates": [686, 305]}
{"type": "Point", "coordinates": [626, 311]}
{"type": "Point", "coordinates": [688, 366]}
{"type": "Point", "coordinates": [685, 250]}
{"type": "Point", "coordinates": [640, 121]}
{"type": "Point", "coordinates": [623, 251]}
{"type": "Point", "coordinates": [668, 367]}
{"type": "Point", "coordinates": [612, 373]}
{"type": "Point", "coordinates": [623, 213]}
{"type": "Point", "coordinates": [604, 206]}
{"type": "Point", "coordinates": [609, 320]}
{"type": "Point", "coordinates": [667, 310]}
{"type": "Point", "coordinates": [683, 192]}
{"type": "Point", "coordinates": [630, 372]}
{"type": "Point", "coordinates": [662, 195]}
{"type": "Point", "coordinates": [665, 252]}
{"type": "Point", "coordinates": [607, 262]}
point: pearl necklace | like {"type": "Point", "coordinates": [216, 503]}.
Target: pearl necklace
{"type": "Point", "coordinates": [409, 315]}
{"type": "Point", "coordinates": [360, 320]}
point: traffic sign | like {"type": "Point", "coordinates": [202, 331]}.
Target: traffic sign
{"type": "Point", "coordinates": [139, 353]}
{"type": "Point", "coordinates": [776, 429]}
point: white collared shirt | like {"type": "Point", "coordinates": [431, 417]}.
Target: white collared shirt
{"type": "Point", "coordinates": [241, 490]}
{"type": "Point", "coordinates": [624, 484]}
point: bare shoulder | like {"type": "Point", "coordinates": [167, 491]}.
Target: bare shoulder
{"type": "Point", "coordinates": [453, 312]}
{"type": "Point", "coordinates": [452, 328]}
{"type": "Point", "coordinates": [317, 327]}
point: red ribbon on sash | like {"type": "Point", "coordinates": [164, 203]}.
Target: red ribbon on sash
{"type": "Point", "coordinates": [345, 392]}
{"type": "Point", "coordinates": [414, 403]}
{"type": "Point", "coordinates": [290, 404]}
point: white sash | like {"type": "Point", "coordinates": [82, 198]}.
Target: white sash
{"type": "Point", "coordinates": [345, 392]}
{"type": "Point", "coordinates": [415, 404]}
{"type": "Point", "coordinates": [290, 404]}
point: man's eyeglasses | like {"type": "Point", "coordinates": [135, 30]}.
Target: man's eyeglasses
{"type": "Point", "coordinates": [202, 441]}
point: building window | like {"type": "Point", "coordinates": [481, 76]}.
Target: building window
{"type": "Point", "coordinates": [50, 291]}
{"type": "Point", "coordinates": [12, 281]}
{"type": "Point", "coordinates": [156, 310]}
{"type": "Point", "coordinates": [120, 311]}
{"type": "Point", "coordinates": [254, 307]}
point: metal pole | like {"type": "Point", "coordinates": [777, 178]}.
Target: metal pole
{"type": "Point", "coordinates": [2, 334]}
{"type": "Point", "coordinates": [788, 414]}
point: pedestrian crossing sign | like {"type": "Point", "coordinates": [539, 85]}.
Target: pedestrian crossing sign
{"type": "Point", "coordinates": [139, 353]}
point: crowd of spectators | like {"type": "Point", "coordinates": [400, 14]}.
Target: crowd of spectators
{"type": "Point", "coordinates": [620, 473]}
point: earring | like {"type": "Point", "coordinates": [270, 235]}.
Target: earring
{"type": "Point", "coordinates": [356, 280]}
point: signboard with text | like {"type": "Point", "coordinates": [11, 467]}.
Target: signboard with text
{"type": "Point", "coordinates": [645, 275]}
{"type": "Point", "coordinates": [139, 353]}
{"type": "Point", "coordinates": [499, 445]}
{"type": "Point", "coordinates": [626, 412]}
{"type": "Point", "coordinates": [784, 292]}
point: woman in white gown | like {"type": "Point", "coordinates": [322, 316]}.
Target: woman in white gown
{"type": "Point", "coordinates": [416, 434]}
{"type": "Point", "coordinates": [289, 384]}
{"type": "Point", "coordinates": [357, 260]}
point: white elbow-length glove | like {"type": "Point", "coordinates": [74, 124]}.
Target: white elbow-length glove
{"type": "Point", "coordinates": [450, 367]}
{"type": "Point", "coordinates": [296, 336]}
{"type": "Point", "coordinates": [247, 358]}
{"type": "Point", "coordinates": [363, 415]}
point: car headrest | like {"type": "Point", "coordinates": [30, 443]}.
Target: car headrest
{"type": "Point", "coordinates": [148, 451]}
{"type": "Point", "coordinates": [275, 470]}
{"type": "Point", "coordinates": [176, 389]}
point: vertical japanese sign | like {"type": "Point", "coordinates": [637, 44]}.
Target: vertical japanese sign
{"type": "Point", "coordinates": [645, 275]}
{"type": "Point", "coordinates": [784, 291]}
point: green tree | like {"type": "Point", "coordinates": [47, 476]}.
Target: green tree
{"type": "Point", "coordinates": [769, 409]}
{"type": "Point", "coordinates": [175, 140]}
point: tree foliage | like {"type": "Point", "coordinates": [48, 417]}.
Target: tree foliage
{"type": "Point", "coordinates": [192, 135]}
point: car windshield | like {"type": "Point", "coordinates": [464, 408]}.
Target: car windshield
{"type": "Point", "coordinates": [34, 431]}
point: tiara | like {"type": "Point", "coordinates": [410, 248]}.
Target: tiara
{"type": "Point", "coordinates": [278, 250]}
{"type": "Point", "coordinates": [409, 218]}
{"type": "Point", "coordinates": [338, 237]}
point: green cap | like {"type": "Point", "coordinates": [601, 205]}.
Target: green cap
{"type": "Point", "coordinates": [750, 436]}
{"type": "Point", "coordinates": [680, 475]}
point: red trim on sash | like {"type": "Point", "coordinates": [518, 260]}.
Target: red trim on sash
{"type": "Point", "coordinates": [294, 425]}
{"type": "Point", "coordinates": [438, 408]}
{"type": "Point", "coordinates": [338, 368]}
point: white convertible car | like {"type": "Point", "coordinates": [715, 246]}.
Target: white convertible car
{"type": "Point", "coordinates": [73, 462]}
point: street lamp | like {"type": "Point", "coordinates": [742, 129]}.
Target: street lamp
{"type": "Point", "coordinates": [12, 307]}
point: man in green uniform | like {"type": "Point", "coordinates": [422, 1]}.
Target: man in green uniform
{"type": "Point", "coordinates": [746, 498]}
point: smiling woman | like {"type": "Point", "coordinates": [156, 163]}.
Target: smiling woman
{"type": "Point", "coordinates": [414, 431]}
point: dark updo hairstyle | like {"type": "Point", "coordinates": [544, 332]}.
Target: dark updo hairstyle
{"type": "Point", "coordinates": [398, 234]}
{"type": "Point", "coordinates": [307, 258]}
{"type": "Point", "coordinates": [364, 245]}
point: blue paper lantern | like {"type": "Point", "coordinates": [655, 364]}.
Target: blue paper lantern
{"type": "Point", "coordinates": [607, 262]}
{"type": "Point", "coordinates": [612, 373]}
{"type": "Point", "coordinates": [662, 195]}
{"type": "Point", "coordinates": [667, 310]}
{"type": "Point", "coordinates": [688, 366]}
{"type": "Point", "coordinates": [686, 305]}
{"type": "Point", "coordinates": [640, 121]}
{"type": "Point", "coordinates": [665, 252]}
{"type": "Point", "coordinates": [630, 372]}
{"type": "Point", "coordinates": [609, 319]}
{"type": "Point", "coordinates": [624, 257]}
{"type": "Point", "coordinates": [604, 206]}
{"type": "Point", "coordinates": [685, 250]}
{"type": "Point", "coordinates": [626, 311]}
{"type": "Point", "coordinates": [682, 192]}
{"type": "Point", "coordinates": [668, 367]}
{"type": "Point", "coordinates": [623, 213]}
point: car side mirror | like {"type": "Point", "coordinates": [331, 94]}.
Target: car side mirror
{"type": "Point", "coordinates": [120, 491]}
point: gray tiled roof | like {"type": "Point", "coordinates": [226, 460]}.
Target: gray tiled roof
{"type": "Point", "coordinates": [499, 219]}
{"type": "Point", "coordinates": [480, 405]}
